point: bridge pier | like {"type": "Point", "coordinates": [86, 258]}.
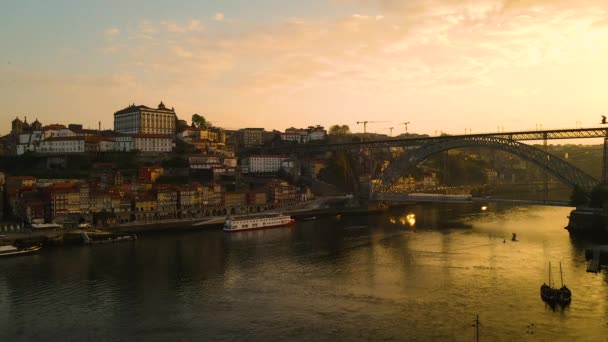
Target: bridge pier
{"type": "Point", "coordinates": [604, 175]}
{"type": "Point", "coordinates": [546, 175]}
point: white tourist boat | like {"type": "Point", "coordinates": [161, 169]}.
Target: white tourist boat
{"type": "Point", "coordinates": [261, 221]}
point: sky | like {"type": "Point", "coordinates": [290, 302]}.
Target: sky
{"type": "Point", "coordinates": [441, 65]}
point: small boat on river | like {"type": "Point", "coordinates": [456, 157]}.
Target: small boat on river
{"type": "Point", "coordinates": [309, 218]}
{"type": "Point", "coordinates": [552, 295]}
{"type": "Point", "coordinates": [564, 293]}
{"type": "Point", "coordinates": [548, 293]}
{"type": "Point", "coordinates": [10, 250]}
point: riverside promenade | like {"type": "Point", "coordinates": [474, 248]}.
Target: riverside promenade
{"type": "Point", "coordinates": [316, 207]}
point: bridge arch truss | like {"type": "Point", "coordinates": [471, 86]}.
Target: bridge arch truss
{"type": "Point", "coordinates": [566, 172]}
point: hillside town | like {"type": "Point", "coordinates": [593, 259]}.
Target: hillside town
{"type": "Point", "coordinates": [155, 167]}
{"type": "Point", "coordinates": [182, 170]}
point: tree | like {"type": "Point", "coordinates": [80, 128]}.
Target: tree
{"type": "Point", "coordinates": [339, 130]}
{"type": "Point", "coordinates": [199, 121]}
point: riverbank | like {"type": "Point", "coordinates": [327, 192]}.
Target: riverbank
{"type": "Point", "coordinates": [61, 236]}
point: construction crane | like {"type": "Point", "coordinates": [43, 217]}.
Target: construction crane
{"type": "Point", "coordinates": [405, 124]}
{"type": "Point", "coordinates": [365, 124]}
{"type": "Point", "coordinates": [391, 128]}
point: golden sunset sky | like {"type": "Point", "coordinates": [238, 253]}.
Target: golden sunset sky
{"type": "Point", "coordinates": [444, 65]}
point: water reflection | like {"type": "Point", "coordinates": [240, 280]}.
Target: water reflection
{"type": "Point", "coordinates": [363, 277]}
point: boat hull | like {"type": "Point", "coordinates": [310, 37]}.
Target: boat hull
{"type": "Point", "coordinates": [26, 251]}
{"type": "Point", "coordinates": [291, 222]}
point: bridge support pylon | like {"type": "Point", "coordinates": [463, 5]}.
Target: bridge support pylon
{"type": "Point", "coordinates": [604, 160]}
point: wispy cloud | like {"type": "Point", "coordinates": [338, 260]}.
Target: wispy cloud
{"type": "Point", "coordinates": [386, 49]}
{"type": "Point", "coordinates": [112, 32]}
{"type": "Point", "coordinates": [445, 44]}
{"type": "Point", "coordinates": [192, 25]}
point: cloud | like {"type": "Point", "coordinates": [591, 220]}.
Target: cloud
{"type": "Point", "coordinates": [192, 25]}
{"type": "Point", "coordinates": [218, 16]}
{"type": "Point", "coordinates": [602, 23]}
{"type": "Point", "coordinates": [112, 32]}
{"type": "Point", "coordinates": [408, 46]}
{"type": "Point", "coordinates": [74, 80]}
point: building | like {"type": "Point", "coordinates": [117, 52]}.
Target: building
{"type": "Point", "coordinates": [145, 206]}
{"type": "Point", "coordinates": [258, 198]}
{"type": "Point", "coordinates": [99, 144]}
{"type": "Point", "coordinates": [14, 186]}
{"type": "Point", "coordinates": [149, 174]}
{"type": "Point", "coordinates": [304, 135]}
{"type": "Point", "coordinates": [71, 144]}
{"type": "Point", "coordinates": [166, 198]}
{"type": "Point", "coordinates": [250, 137]}
{"type": "Point", "coordinates": [189, 201]}
{"type": "Point", "coordinates": [19, 127]}
{"type": "Point", "coordinates": [100, 201]}
{"type": "Point", "coordinates": [31, 207]}
{"type": "Point", "coordinates": [57, 131]}
{"type": "Point", "coordinates": [317, 133]}
{"type": "Point", "coordinates": [211, 134]}
{"type": "Point", "coordinates": [212, 195]}
{"type": "Point", "coordinates": [145, 120]}
{"type": "Point", "coordinates": [491, 176]}
{"type": "Point", "coordinates": [262, 163]}
{"type": "Point", "coordinates": [233, 200]}
{"type": "Point", "coordinates": [63, 199]}
{"type": "Point", "coordinates": [299, 136]}
{"type": "Point", "coordinates": [153, 142]}
{"type": "Point", "coordinates": [281, 192]}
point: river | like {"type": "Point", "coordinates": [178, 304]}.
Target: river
{"type": "Point", "coordinates": [350, 278]}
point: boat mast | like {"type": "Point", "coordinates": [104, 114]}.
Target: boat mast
{"type": "Point", "coordinates": [560, 273]}
{"type": "Point", "coordinates": [551, 285]}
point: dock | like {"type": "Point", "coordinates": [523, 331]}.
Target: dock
{"type": "Point", "coordinates": [594, 262]}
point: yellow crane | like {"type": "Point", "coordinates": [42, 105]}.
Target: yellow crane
{"type": "Point", "coordinates": [365, 124]}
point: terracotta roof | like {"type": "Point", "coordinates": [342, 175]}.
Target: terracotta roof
{"type": "Point", "coordinates": [85, 131]}
{"type": "Point", "coordinates": [64, 139]}
{"type": "Point", "coordinates": [269, 156]}
{"type": "Point", "coordinates": [97, 139]}
{"type": "Point", "coordinates": [53, 127]}
{"type": "Point", "coordinates": [205, 156]}
{"type": "Point", "coordinates": [61, 186]}
{"type": "Point", "coordinates": [20, 178]}
{"type": "Point", "coordinates": [158, 136]}
{"type": "Point", "coordinates": [133, 109]}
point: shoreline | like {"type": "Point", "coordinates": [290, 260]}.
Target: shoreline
{"type": "Point", "coordinates": [60, 237]}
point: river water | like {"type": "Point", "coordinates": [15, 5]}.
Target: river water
{"type": "Point", "coordinates": [351, 278]}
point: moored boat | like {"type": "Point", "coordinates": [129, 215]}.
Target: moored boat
{"type": "Point", "coordinates": [548, 293]}
{"type": "Point", "coordinates": [9, 250]}
{"type": "Point", "coordinates": [261, 221]}
{"type": "Point", "coordinates": [552, 295]}
{"type": "Point", "coordinates": [564, 294]}
{"type": "Point", "coordinates": [309, 218]}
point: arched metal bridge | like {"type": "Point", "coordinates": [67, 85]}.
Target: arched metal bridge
{"type": "Point", "coordinates": [566, 172]}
